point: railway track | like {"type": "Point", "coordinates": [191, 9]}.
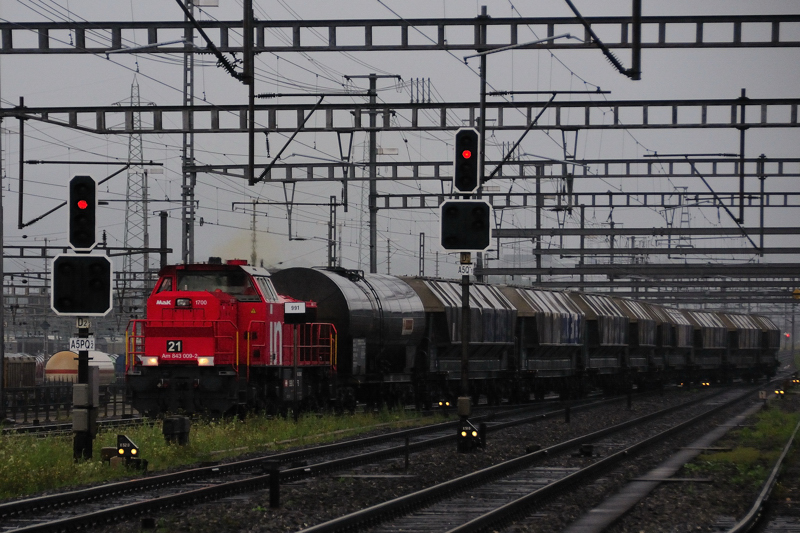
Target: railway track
{"type": "Point", "coordinates": [489, 498]}
{"type": "Point", "coordinates": [65, 428]}
{"type": "Point", "coordinates": [99, 505]}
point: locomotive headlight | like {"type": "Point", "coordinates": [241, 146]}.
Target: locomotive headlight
{"type": "Point", "coordinates": [474, 433]}
{"type": "Point", "coordinates": [463, 433]}
{"type": "Point", "coordinates": [183, 302]}
{"type": "Point", "coordinates": [205, 361]}
{"type": "Point", "coordinates": [150, 361]}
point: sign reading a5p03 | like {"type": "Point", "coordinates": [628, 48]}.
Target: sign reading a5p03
{"type": "Point", "coordinates": [77, 344]}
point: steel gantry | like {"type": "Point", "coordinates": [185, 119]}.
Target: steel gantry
{"type": "Point", "coordinates": [382, 35]}
{"type": "Point", "coordinates": [748, 113]}
{"type": "Point", "coordinates": [453, 35]}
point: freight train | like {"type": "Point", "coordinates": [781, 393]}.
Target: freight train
{"type": "Point", "coordinates": [224, 337]}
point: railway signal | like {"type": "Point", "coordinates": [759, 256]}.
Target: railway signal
{"type": "Point", "coordinates": [81, 285]}
{"type": "Point", "coordinates": [126, 447]}
{"type": "Point", "coordinates": [82, 213]}
{"type": "Point", "coordinates": [128, 451]}
{"type": "Point", "coordinates": [466, 225]}
{"type": "Point", "coordinates": [469, 437]}
{"type": "Point", "coordinates": [466, 163]}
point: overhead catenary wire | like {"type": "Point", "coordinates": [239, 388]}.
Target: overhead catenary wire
{"type": "Point", "coordinates": [234, 183]}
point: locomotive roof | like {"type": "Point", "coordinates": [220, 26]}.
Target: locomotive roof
{"type": "Point", "coordinates": [211, 267]}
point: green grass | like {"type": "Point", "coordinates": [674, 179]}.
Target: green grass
{"type": "Point", "coordinates": [754, 450]}
{"type": "Point", "coordinates": [29, 465]}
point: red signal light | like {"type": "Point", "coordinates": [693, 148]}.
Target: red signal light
{"type": "Point", "coordinates": [83, 204]}
{"type": "Point", "coordinates": [465, 160]}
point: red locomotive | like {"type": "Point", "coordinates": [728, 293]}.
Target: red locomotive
{"type": "Point", "coordinates": [218, 337]}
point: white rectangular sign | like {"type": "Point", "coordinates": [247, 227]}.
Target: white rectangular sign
{"type": "Point", "coordinates": [76, 344]}
{"type": "Point", "coordinates": [465, 270]}
{"type": "Point", "coordinates": [294, 308]}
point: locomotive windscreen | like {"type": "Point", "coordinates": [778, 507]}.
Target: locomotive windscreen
{"type": "Point", "coordinates": [235, 282]}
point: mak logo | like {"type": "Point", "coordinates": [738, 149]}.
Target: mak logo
{"type": "Point", "coordinates": [163, 302]}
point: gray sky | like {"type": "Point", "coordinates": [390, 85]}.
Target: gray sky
{"type": "Point", "coordinates": [95, 80]}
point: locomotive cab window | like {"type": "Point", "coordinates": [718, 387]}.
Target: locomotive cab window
{"type": "Point", "coordinates": [267, 289]}
{"type": "Point", "coordinates": [166, 285]}
{"type": "Point", "coordinates": [235, 283]}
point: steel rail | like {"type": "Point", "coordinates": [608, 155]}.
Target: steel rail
{"type": "Point", "coordinates": [66, 427]}
{"type": "Point", "coordinates": [220, 490]}
{"type": "Point", "coordinates": [757, 510]}
{"type": "Point", "coordinates": [521, 506]}
{"type": "Point", "coordinates": [424, 497]}
{"type": "Point", "coordinates": [19, 507]}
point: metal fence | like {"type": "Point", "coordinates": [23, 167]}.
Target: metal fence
{"type": "Point", "coordinates": [52, 402]}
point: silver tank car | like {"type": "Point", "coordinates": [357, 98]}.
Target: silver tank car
{"type": "Point", "coordinates": [400, 338]}
{"type": "Point", "coordinates": [380, 320]}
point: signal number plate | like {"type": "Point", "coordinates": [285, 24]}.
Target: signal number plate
{"type": "Point", "coordinates": [465, 270]}
{"type": "Point", "coordinates": [174, 346]}
{"type": "Point", "coordinates": [77, 344]}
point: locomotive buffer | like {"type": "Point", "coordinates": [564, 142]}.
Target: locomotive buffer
{"type": "Point", "coordinates": [81, 287]}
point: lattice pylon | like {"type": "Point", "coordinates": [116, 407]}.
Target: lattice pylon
{"type": "Point", "coordinates": [136, 265]}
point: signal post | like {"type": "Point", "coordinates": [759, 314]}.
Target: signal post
{"type": "Point", "coordinates": [81, 287]}
{"type": "Point", "coordinates": [85, 395]}
{"type": "Point", "coordinates": [466, 228]}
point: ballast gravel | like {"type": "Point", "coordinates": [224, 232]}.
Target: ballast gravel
{"type": "Point", "coordinates": [671, 508]}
